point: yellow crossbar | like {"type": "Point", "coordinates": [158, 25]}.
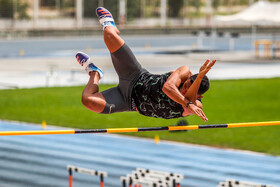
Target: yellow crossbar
{"type": "Point", "coordinates": [121, 130]}
{"type": "Point", "coordinates": [253, 124]}
{"type": "Point", "coordinates": [39, 132]}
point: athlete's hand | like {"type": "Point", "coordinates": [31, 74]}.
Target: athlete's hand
{"type": "Point", "coordinates": [197, 111]}
{"type": "Point", "coordinates": [206, 67]}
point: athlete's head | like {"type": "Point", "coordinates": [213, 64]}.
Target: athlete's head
{"type": "Point", "coordinates": [204, 85]}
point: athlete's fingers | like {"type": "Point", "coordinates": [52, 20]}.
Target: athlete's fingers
{"type": "Point", "coordinates": [206, 62]}
{"type": "Point", "coordinates": [203, 118]}
{"type": "Point", "coordinates": [204, 66]}
{"type": "Point", "coordinates": [212, 63]}
{"type": "Point", "coordinates": [202, 115]}
{"type": "Point", "coordinates": [207, 69]}
{"type": "Point", "coordinates": [199, 112]}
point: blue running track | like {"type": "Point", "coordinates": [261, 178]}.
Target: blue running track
{"type": "Point", "coordinates": [42, 160]}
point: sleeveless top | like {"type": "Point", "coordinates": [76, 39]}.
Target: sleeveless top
{"type": "Point", "coordinates": [150, 100]}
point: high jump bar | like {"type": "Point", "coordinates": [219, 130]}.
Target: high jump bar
{"type": "Point", "coordinates": [142, 129]}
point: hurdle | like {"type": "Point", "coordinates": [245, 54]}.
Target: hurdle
{"type": "Point", "coordinates": [170, 178]}
{"type": "Point", "coordinates": [152, 178]}
{"type": "Point", "coordinates": [86, 171]}
{"type": "Point", "coordinates": [160, 180]}
{"type": "Point", "coordinates": [236, 183]}
{"type": "Point", "coordinates": [130, 180]}
{"type": "Point", "coordinates": [139, 182]}
{"type": "Point", "coordinates": [122, 130]}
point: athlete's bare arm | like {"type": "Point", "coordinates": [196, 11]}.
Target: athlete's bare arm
{"type": "Point", "coordinates": [170, 88]}
{"type": "Point", "coordinates": [192, 91]}
{"type": "Point", "coordinates": [191, 94]}
{"type": "Point", "coordinates": [179, 76]}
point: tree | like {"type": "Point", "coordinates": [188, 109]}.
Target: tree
{"type": "Point", "coordinates": [91, 5]}
{"type": "Point", "coordinates": [113, 7]}
{"type": "Point", "coordinates": [89, 8]}
{"type": "Point", "coordinates": [134, 9]}
{"type": "Point", "coordinates": [216, 4]}
{"type": "Point", "coordinates": [196, 4]}
{"type": "Point", "coordinates": [48, 3]}
{"type": "Point", "coordinates": [22, 10]}
{"type": "Point", "coordinates": [174, 7]}
{"type": "Point", "coordinates": [7, 9]}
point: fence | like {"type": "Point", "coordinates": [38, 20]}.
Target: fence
{"type": "Point", "coordinates": [54, 14]}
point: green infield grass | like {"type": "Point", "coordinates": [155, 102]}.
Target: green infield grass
{"type": "Point", "coordinates": [229, 101]}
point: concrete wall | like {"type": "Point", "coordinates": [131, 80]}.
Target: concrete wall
{"type": "Point", "coordinates": [71, 23]}
{"type": "Point", "coordinates": [10, 34]}
{"type": "Point", "coordinates": [62, 23]}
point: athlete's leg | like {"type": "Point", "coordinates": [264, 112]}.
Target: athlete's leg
{"type": "Point", "coordinates": [111, 33]}
{"type": "Point", "coordinates": [124, 61]}
{"type": "Point", "coordinates": [106, 102]}
{"type": "Point", "coordinates": [91, 97]}
{"type": "Point", "coordinates": [112, 38]}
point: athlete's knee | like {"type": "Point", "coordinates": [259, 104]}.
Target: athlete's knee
{"type": "Point", "coordinates": [92, 103]}
{"type": "Point", "coordinates": [110, 33]}
{"type": "Point", "coordinates": [87, 102]}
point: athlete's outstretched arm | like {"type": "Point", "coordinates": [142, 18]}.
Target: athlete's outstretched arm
{"type": "Point", "coordinates": [170, 87]}
{"type": "Point", "coordinates": [191, 94]}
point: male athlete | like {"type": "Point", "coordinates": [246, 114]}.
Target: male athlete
{"type": "Point", "coordinates": [170, 95]}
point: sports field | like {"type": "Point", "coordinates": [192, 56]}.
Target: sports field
{"type": "Point", "coordinates": [227, 101]}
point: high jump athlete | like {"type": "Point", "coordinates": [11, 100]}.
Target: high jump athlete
{"type": "Point", "coordinates": [171, 95]}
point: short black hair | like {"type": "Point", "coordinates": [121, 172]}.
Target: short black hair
{"type": "Point", "coordinates": [204, 85]}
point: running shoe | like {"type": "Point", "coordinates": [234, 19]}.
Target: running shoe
{"type": "Point", "coordinates": [82, 58]}
{"type": "Point", "coordinates": [84, 61]}
{"type": "Point", "coordinates": [105, 17]}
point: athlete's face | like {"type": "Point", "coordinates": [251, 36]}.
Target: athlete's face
{"type": "Point", "coordinates": [185, 87]}
{"type": "Point", "coordinates": [187, 84]}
